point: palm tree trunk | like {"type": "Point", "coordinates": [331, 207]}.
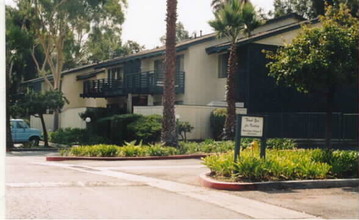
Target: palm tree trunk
{"type": "Point", "coordinates": [169, 134]}
{"type": "Point", "coordinates": [228, 132]}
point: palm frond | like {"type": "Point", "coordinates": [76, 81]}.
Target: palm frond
{"type": "Point", "coordinates": [234, 17]}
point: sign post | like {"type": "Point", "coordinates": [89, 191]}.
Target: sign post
{"type": "Point", "coordinates": [253, 127]}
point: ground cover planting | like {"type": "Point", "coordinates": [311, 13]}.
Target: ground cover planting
{"type": "Point", "coordinates": [283, 160]}
{"type": "Point", "coordinates": [291, 164]}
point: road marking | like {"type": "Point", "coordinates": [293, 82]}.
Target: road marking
{"type": "Point", "coordinates": [249, 207]}
{"type": "Point", "coordinates": [69, 184]}
{"type": "Point", "coordinates": [153, 167]}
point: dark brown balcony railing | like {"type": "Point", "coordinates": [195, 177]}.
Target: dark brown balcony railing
{"type": "Point", "coordinates": [136, 83]}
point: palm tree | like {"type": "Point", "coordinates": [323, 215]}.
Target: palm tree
{"type": "Point", "coordinates": [230, 21]}
{"type": "Point", "coordinates": [219, 4]}
{"type": "Point", "coordinates": [169, 133]}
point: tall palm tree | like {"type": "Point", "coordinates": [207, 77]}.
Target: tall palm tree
{"type": "Point", "coordinates": [219, 4]}
{"type": "Point", "coordinates": [235, 17]}
{"type": "Point", "coordinates": [169, 133]}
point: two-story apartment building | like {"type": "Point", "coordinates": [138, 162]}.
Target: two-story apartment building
{"type": "Point", "coordinates": [134, 83]}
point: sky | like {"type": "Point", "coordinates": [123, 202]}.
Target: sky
{"type": "Point", "coordinates": [145, 19]}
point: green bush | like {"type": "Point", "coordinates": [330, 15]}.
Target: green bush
{"type": "Point", "coordinates": [217, 119]}
{"type": "Point", "coordinates": [280, 144]}
{"type": "Point", "coordinates": [343, 163]}
{"type": "Point", "coordinates": [147, 128]}
{"type": "Point", "coordinates": [71, 136]}
{"type": "Point", "coordinates": [208, 146]}
{"type": "Point", "coordinates": [119, 132]}
{"type": "Point", "coordinates": [97, 126]}
{"type": "Point", "coordinates": [160, 150]}
{"type": "Point", "coordinates": [129, 150]}
{"type": "Point", "coordinates": [92, 151]}
{"type": "Point", "coordinates": [184, 127]}
{"type": "Point", "coordinates": [220, 164]}
{"type": "Point", "coordinates": [284, 165]}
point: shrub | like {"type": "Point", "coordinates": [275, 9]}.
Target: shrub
{"type": "Point", "coordinates": [160, 150]}
{"type": "Point", "coordinates": [284, 165]}
{"type": "Point", "coordinates": [147, 128]}
{"type": "Point", "coordinates": [220, 164]}
{"type": "Point", "coordinates": [119, 133]}
{"type": "Point", "coordinates": [96, 126]}
{"type": "Point", "coordinates": [217, 119]}
{"type": "Point", "coordinates": [343, 163]}
{"type": "Point", "coordinates": [92, 151]}
{"type": "Point", "coordinates": [70, 136]}
{"type": "Point", "coordinates": [280, 143]}
{"type": "Point", "coordinates": [184, 127]}
{"type": "Point", "coordinates": [208, 146]}
{"type": "Point", "coordinates": [129, 150]}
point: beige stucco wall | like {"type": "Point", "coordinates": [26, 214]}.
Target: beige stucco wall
{"type": "Point", "coordinates": [35, 122]}
{"type": "Point", "coordinates": [72, 88]}
{"type": "Point", "coordinates": [283, 38]}
{"type": "Point", "coordinates": [70, 118]}
{"type": "Point", "coordinates": [197, 116]}
{"type": "Point", "coordinates": [202, 82]}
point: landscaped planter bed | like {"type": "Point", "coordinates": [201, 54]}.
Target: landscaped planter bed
{"type": "Point", "coordinates": [207, 181]}
{"type": "Point", "coordinates": [283, 165]}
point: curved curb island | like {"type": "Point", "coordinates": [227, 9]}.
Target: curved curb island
{"type": "Point", "coordinates": [172, 157]}
{"type": "Point", "coordinates": [209, 182]}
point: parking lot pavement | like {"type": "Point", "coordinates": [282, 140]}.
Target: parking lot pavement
{"type": "Point", "coordinates": [324, 203]}
{"type": "Point", "coordinates": [330, 203]}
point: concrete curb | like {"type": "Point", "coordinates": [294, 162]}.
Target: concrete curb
{"type": "Point", "coordinates": [206, 181]}
{"type": "Point", "coordinates": [172, 157]}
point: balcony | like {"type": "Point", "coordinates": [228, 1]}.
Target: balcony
{"type": "Point", "coordinates": [135, 83]}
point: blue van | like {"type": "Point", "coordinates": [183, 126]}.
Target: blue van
{"type": "Point", "coordinates": [22, 133]}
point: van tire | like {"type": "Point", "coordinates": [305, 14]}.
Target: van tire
{"type": "Point", "coordinates": [34, 141]}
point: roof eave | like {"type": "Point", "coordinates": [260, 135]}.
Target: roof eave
{"type": "Point", "coordinates": [225, 47]}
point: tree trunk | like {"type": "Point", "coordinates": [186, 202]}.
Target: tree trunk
{"type": "Point", "coordinates": [169, 134]}
{"type": "Point", "coordinates": [9, 141]}
{"type": "Point", "coordinates": [228, 132]}
{"type": "Point", "coordinates": [329, 125]}
{"type": "Point", "coordinates": [46, 141]}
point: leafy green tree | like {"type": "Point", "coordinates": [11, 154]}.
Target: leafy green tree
{"type": "Point", "coordinates": [231, 21]}
{"type": "Point", "coordinates": [103, 45]}
{"type": "Point", "coordinates": [130, 47]}
{"type": "Point", "coordinates": [59, 28]}
{"type": "Point", "coordinates": [37, 104]}
{"type": "Point", "coordinates": [169, 133]}
{"type": "Point", "coordinates": [60, 25]}
{"type": "Point", "coordinates": [312, 8]}
{"type": "Point", "coordinates": [320, 59]}
{"type": "Point", "coordinates": [19, 64]}
{"type": "Point", "coordinates": [181, 34]}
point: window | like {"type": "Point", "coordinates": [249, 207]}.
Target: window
{"type": "Point", "coordinates": [160, 65]}
{"type": "Point", "coordinates": [180, 63]}
{"type": "Point", "coordinates": [115, 73]}
{"type": "Point", "coordinates": [159, 68]}
{"type": "Point", "coordinates": [222, 65]}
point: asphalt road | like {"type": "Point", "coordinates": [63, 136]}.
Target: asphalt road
{"type": "Point", "coordinates": [36, 189]}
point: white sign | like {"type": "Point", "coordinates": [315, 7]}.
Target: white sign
{"type": "Point", "coordinates": [252, 126]}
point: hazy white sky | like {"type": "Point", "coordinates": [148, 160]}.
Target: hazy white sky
{"type": "Point", "coordinates": [145, 19]}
